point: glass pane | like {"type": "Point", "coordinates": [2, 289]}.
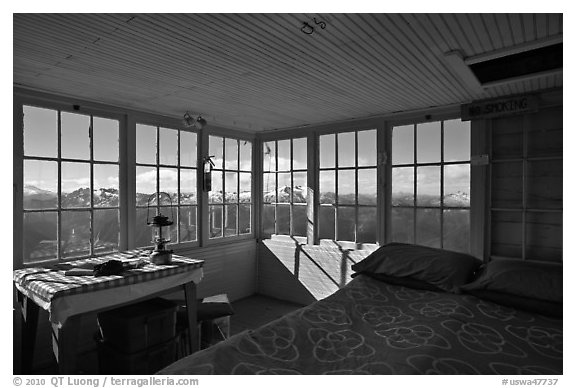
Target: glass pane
{"type": "Point", "coordinates": [145, 144]}
{"type": "Point", "coordinates": [544, 236]}
{"type": "Point", "coordinates": [188, 149]}
{"type": "Point", "coordinates": [106, 231]}
{"type": "Point", "coordinates": [544, 184]}
{"type": "Point", "coordinates": [428, 227]}
{"type": "Point", "coordinates": [143, 234]}
{"type": "Point", "coordinates": [346, 149]}
{"type": "Point", "coordinates": [428, 143]}
{"type": "Point", "coordinates": [327, 151]}
{"type": "Point", "coordinates": [215, 195]}
{"type": "Point", "coordinates": [188, 187]}
{"type": "Point", "coordinates": [216, 150]}
{"type": "Point", "coordinates": [456, 229]}
{"type": "Point", "coordinates": [40, 132]}
{"type": "Point", "coordinates": [299, 154]}
{"type": "Point", "coordinates": [269, 157]}
{"type": "Point", "coordinates": [403, 225]}
{"type": "Point", "coordinates": [346, 224]}
{"type": "Point", "coordinates": [105, 141]}
{"type": "Point", "coordinates": [403, 186]}
{"type": "Point", "coordinates": [169, 183]}
{"type": "Point", "coordinates": [347, 187]}
{"type": "Point", "coordinates": [168, 149]}
{"type": "Point", "coordinates": [215, 219]}
{"type": "Point", "coordinates": [327, 187]}
{"type": "Point", "coordinates": [300, 191]}
{"type": "Point", "coordinates": [75, 185]}
{"type": "Point", "coordinates": [187, 223]}
{"type": "Point", "coordinates": [456, 140]}
{"type": "Point", "coordinates": [283, 219]}
{"type": "Point", "coordinates": [145, 184]}
{"type": "Point", "coordinates": [367, 225]}
{"type": "Point", "coordinates": [284, 187]}
{"type": "Point", "coordinates": [269, 187]}
{"type": "Point", "coordinates": [245, 219]}
{"type": "Point", "coordinates": [245, 187]}
{"type": "Point", "coordinates": [545, 133]}
{"type": "Point", "coordinates": [284, 155]}
{"type": "Point", "coordinates": [457, 185]}
{"type": "Point", "coordinates": [367, 186]}
{"type": "Point", "coordinates": [506, 234]}
{"type": "Point", "coordinates": [231, 154]}
{"type": "Point", "coordinates": [75, 136]}
{"type": "Point", "coordinates": [367, 148]}
{"type": "Point", "coordinates": [507, 137]}
{"type": "Point", "coordinates": [231, 187]}
{"type": "Point", "coordinates": [40, 236]}
{"type": "Point", "coordinates": [75, 237]}
{"type": "Point", "coordinates": [299, 220]}
{"type": "Point", "coordinates": [326, 222]}
{"type": "Point", "coordinates": [245, 155]}
{"type": "Point", "coordinates": [106, 185]}
{"type": "Point", "coordinates": [230, 220]}
{"type": "Point", "coordinates": [40, 184]}
{"type": "Point", "coordinates": [268, 220]}
{"type": "Point", "coordinates": [428, 186]}
{"type": "Point", "coordinates": [403, 145]}
{"type": "Point", "coordinates": [507, 185]}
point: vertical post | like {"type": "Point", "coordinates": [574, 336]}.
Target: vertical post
{"type": "Point", "coordinates": [313, 194]}
{"type": "Point", "coordinates": [192, 315]}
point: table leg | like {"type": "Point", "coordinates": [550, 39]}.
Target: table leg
{"type": "Point", "coordinates": [190, 296]}
{"type": "Point", "coordinates": [65, 344]}
{"type": "Point", "coordinates": [29, 326]}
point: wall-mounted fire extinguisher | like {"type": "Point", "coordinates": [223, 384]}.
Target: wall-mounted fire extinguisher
{"type": "Point", "coordinates": [208, 166]}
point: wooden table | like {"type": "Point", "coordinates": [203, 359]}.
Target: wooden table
{"type": "Point", "coordinates": [67, 298]}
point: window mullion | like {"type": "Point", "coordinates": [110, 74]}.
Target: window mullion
{"type": "Point", "coordinates": [59, 190]}
{"type": "Point", "coordinates": [91, 142]}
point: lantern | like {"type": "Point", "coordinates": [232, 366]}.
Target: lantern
{"type": "Point", "coordinates": [160, 225]}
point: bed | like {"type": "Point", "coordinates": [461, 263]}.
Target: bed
{"type": "Point", "coordinates": [399, 316]}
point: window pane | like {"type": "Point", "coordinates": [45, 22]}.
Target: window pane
{"type": "Point", "coordinates": [428, 186]}
{"type": "Point", "coordinates": [269, 150]}
{"type": "Point", "coordinates": [284, 187]}
{"type": "Point", "coordinates": [245, 187]}
{"type": "Point", "coordinates": [347, 187]}
{"type": "Point", "coordinates": [300, 191]}
{"type": "Point", "coordinates": [145, 184]}
{"type": "Point", "coordinates": [269, 185]}
{"type": "Point", "coordinates": [231, 154]}
{"type": "Point", "coordinates": [346, 224]}
{"type": "Point", "coordinates": [169, 182]}
{"type": "Point", "coordinates": [168, 147]}
{"type": "Point", "coordinates": [506, 234]}
{"type": "Point", "coordinates": [143, 232]}
{"type": "Point", "coordinates": [230, 219]}
{"type": "Point", "coordinates": [429, 142]}
{"type": "Point", "coordinates": [326, 222]}
{"type": "Point", "coordinates": [367, 186]}
{"type": "Point", "coordinates": [457, 185]}
{"type": "Point", "coordinates": [403, 186]}
{"type": "Point", "coordinates": [40, 184]}
{"type": "Point", "coordinates": [216, 149]}
{"type": "Point", "coordinates": [245, 155]}
{"type": "Point", "coordinates": [428, 227]}
{"type": "Point", "coordinates": [145, 144]}
{"type": "Point", "coordinates": [403, 145]}
{"type": "Point", "coordinates": [544, 236]}
{"type": "Point", "coordinates": [231, 186]}
{"type": "Point", "coordinates": [507, 185]}
{"type": "Point", "coordinates": [105, 141]}
{"type": "Point", "coordinates": [40, 132]}
{"type": "Point", "coordinates": [403, 225]}
{"type": "Point", "coordinates": [215, 219]}
{"type": "Point", "coordinates": [544, 184]}
{"type": "Point", "coordinates": [300, 220]}
{"type": "Point", "coordinates": [299, 154]}
{"type": "Point", "coordinates": [188, 187]}
{"type": "Point", "coordinates": [187, 223]}
{"type": "Point", "coordinates": [75, 136]}
{"type": "Point", "coordinates": [75, 184]}
{"type": "Point", "coordinates": [244, 219]}
{"type": "Point", "coordinates": [456, 140]}
{"type": "Point", "coordinates": [106, 231]}
{"type": "Point", "coordinates": [367, 148]}
{"type": "Point", "coordinates": [106, 185]}
{"type": "Point", "coordinates": [188, 149]}
{"type": "Point", "coordinates": [75, 238]}
{"type": "Point", "coordinates": [346, 149]}
{"type": "Point", "coordinates": [327, 187]}
{"type": "Point", "coordinates": [40, 238]}
{"type": "Point", "coordinates": [545, 133]}
{"type": "Point", "coordinates": [268, 220]}
{"type": "Point", "coordinates": [215, 195]}
{"type": "Point", "coordinates": [507, 137]}
{"type": "Point", "coordinates": [327, 151]}
{"type": "Point", "coordinates": [283, 219]}
{"type": "Point", "coordinates": [284, 155]}
{"type": "Point", "coordinates": [367, 225]}
{"type": "Point", "coordinates": [456, 229]}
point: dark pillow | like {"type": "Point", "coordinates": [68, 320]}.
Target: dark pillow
{"type": "Point", "coordinates": [419, 267]}
{"type": "Point", "coordinates": [543, 307]}
{"type": "Point", "coordinates": [525, 278]}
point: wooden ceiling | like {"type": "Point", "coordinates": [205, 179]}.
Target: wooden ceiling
{"type": "Point", "coordinates": [261, 71]}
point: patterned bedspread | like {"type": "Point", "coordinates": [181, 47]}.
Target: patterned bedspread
{"type": "Point", "coordinates": [371, 327]}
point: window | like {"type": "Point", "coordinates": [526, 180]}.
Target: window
{"type": "Point", "coordinates": [166, 161]}
{"type": "Point", "coordinates": [348, 187]}
{"type": "Point", "coordinates": [230, 197]}
{"type": "Point", "coordinates": [285, 187]}
{"type": "Point", "coordinates": [71, 185]}
{"type": "Point", "coordinates": [431, 184]}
